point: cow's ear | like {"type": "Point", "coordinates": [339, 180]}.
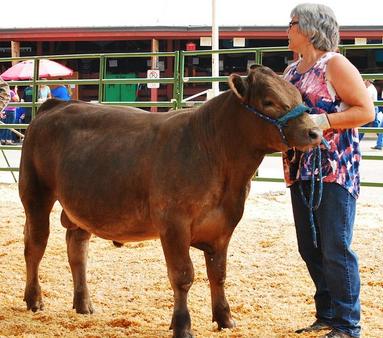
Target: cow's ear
{"type": "Point", "coordinates": [238, 85]}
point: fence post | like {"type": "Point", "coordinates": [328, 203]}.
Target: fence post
{"type": "Point", "coordinates": [176, 84]}
{"type": "Point", "coordinates": [35, 89]}
{"type": "Point", "coordinates": [101, 78]}
{"type": "Point", "coordinates": [180, 74]}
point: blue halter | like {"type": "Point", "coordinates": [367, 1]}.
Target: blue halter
{"type": "Point", "coordinates": [316, 172]}
{"type": "Point", "coordinates": [281, 122]}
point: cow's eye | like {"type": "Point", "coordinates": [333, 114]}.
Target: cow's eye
{"type": "Point", "coordinates": [267, 103]}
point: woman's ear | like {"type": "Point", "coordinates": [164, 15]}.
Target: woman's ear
{"type": "Point", "coordinates": [238, 85]}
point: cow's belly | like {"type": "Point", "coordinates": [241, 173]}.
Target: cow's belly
{"type": "Point", "coordinates": [112, 225]}
{"type": "Point", "coordinates": [132, 233]}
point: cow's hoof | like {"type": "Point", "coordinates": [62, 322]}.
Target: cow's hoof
{"type": "Point", "coordinates": [35, 305]}
{"type": "Point", "coordinates": [32, 297]}
{"type": "Point", "coordinates": [228, 324]}
{"type": "Point", "coordinates": [83, 307]}
{"type": "Point", "coordinates": [187, 334]}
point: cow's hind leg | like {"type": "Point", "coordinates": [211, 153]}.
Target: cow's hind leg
{"type": "Point", "coordinates": [38, 204]}
{"type": "Point", "coordinates": [176, 245]}
{"type": "Point", "coordinates": [77, 247]}
{"type": "Point", "coordinates": [215, 258]}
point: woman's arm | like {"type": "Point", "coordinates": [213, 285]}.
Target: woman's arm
{"type": "Point", "coordinates": [349, 86]}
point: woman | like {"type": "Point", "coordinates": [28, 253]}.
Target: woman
{"type": "Point", "coordinates": [335, 91]}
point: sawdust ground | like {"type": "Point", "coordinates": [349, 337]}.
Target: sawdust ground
{"type": "Point", "coordinates": [267, 286]}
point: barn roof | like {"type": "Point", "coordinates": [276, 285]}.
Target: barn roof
{"type": "Point", "coordinates": [167, 32]}
{"type": "Point", "coordinates": [177, 13]}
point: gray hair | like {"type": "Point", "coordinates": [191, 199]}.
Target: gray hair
{"type": "Point", "coordinates": [318, 23]}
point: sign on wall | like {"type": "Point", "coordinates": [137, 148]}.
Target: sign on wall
{"type": "Point", "coordinates": [153, 74]}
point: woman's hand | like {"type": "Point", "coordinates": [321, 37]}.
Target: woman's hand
{"type": "Point", "coordinates": [321, 120]}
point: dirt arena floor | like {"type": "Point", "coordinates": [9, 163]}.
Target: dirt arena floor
{"type": "Point", "coordinates": [267, 286]}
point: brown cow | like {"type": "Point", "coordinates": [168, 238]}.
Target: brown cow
{"type": "Point", "coordinates": [181, 176]}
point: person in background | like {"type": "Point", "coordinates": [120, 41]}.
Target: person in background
{"type": "Point", "coordinates": [26, 112]}
{"type": "Point", "coordinates": [373, 93]}
{"type": "Point", "coordinates": [334, 90]}
{"type": "Point", "coordinates": [61, 92]}
{"type": "Point", "coordinates": [379, 140]}
{"type": "Point", "coordinates": [379, 124]}
{"type": "Point", "coordinates": [9, 118]}
{"type": "Point", "coordinates": [4, 99]}
{"type": "Point", "coordinates": [44, 92]}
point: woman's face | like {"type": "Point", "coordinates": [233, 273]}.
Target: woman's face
{"type": "Point", "coordinates": [295, 37]}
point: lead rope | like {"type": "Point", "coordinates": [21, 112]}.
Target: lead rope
{"type": "Point", "coordinates": [317, 160]}
{"type": "Point", "coordinates": [316, 175]}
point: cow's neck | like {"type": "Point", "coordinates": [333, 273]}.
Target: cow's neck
{"type": "Point", "coordinates": [223, 130]}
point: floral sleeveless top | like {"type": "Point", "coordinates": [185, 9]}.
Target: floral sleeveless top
{"type": "Point", "coordinates": [340, 164]}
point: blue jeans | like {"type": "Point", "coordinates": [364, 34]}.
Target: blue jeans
{"type": "Point", "coordinates": [379, 141]}
{"type": "Point", "coordinates": [333, 266]}
{"type": "Point", "coordinates": [10, 116]}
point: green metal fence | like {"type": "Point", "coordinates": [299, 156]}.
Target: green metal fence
{"type": "Point", "coordinates": [178, 82]}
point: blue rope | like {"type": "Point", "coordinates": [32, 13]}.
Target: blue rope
{"type": "Point", "coordinates": [316, 175]}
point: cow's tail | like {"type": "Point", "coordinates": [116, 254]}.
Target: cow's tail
{"type": "Point", "coordinates": [48, 105]}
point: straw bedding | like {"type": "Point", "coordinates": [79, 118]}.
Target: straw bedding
{"type": "Point", "coordinates": [267, 286]}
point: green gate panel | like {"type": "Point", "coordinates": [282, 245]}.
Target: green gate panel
{"type": "Point", "coordinates": [112, 91]}
{"type": "Point", "coordinates": [120, 92]}
{"type": "Point", "coordinates": [128, 91]}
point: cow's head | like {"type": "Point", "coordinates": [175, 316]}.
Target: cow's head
{"type": "Point", "coordinates": [266, 93]}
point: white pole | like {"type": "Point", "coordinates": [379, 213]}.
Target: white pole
{"type": "Point", "coordinates": [214, 46]}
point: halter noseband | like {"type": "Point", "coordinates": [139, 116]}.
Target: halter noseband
{"type": "Point", "coordinates": [281, 122]}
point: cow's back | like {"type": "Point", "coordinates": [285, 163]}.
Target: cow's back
{"type": "Point", "coordinates": [66, 136]}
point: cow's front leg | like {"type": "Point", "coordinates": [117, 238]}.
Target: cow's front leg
{"type": "Point", "coordinates": [176, 245]}
{"type": "Point", "coordinates": [77, 247]}
{"type": "Point", "coordinates": [216, 270]}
